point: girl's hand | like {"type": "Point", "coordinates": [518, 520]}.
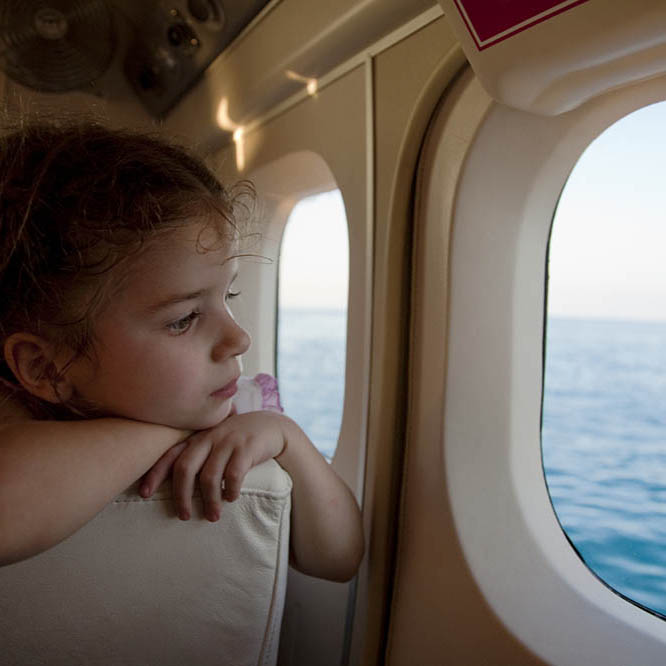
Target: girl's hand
{"type": "Point", "coordinates": [326, 535]}
{"type": "Point", "coordinates": [226, 452]}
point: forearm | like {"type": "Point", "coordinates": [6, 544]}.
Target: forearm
{"type": "Point", "coordinates": [55, 476]}
{"type": "Point", "coordinates": [326, 529]}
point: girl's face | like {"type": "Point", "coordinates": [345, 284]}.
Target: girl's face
{"type": "Point", "coordinates": [167, 345]}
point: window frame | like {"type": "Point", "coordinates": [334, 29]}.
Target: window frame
{"type": "Point", "coordinates": [346, 309]}
{"type": "Point", "coordinates": [498, 193]}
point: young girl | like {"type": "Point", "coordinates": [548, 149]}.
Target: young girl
{"type": "Point", "coordinates": [118, 255]}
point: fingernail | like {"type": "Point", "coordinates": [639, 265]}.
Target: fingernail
{"type": "Point", "coordinates": [144, 491]}
{"type": "Point", "coordinates": [213, 516]}
{"type": "Point", "coordinates": [184, 515]}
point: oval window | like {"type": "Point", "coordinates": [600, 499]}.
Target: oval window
{"type": "Point", "coordinates": [604, 408]}
{"type": "Point", "coordinates": [312, 317]}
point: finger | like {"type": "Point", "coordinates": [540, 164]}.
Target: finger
{"type": "Point", "coordinates": [234, 473]}
{"type": "Point", "coordinates": [185, 470]}
{"type": "Point", "coordinates": [160, 470]}
{"type": "Point", "coordinates": [210, 480]}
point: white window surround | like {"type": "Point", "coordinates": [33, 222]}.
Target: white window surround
{"type": "Point", "coordinates": [281, 184]}
{"type": "Point", "coordinates": [505, 195]}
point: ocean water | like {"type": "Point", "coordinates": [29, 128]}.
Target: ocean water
{"type": "Point", "coordinates": [604, 449]}
{"type": "Point", "coordinates": [603, 437]}
{"type": "Point", "coordinates": [311, 371]}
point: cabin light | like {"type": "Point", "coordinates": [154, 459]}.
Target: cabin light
{"type": "Point", "coordinates": [239, 141]}
{"type": "Point", "coordinates": [223, 119]}
{"type": "Point", "coordinates": [311, 85]}
{"type": "Point", "coordinates": [227, 124]}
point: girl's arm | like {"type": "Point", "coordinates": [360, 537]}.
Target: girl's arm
{"type": "Point", "coordinates": [56, 475]}
{"type": "Point", "coordinates": [326, 532]}
{"type": "Point", "coordinates": [326, 528]}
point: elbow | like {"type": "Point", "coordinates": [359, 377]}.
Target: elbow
{"type": "Point", "coordinates": [343, 574]}
{"type": "Point", "coordinates": [338, 565]}
{"type": "Point", "coordinates": [14, 549]}
{"type": "Point", "coordinates": [20, 536]}
{"type": "Point", "coordinates": [10, 551]}
{"type": "Point", "coordinates": [349, 565]}
{"type": "Point", "coordinates": [336, 572]}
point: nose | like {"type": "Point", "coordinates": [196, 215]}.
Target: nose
{"type": "Point", "coordinates": [233, 340]}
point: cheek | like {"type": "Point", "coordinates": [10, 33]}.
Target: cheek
{"type": "Point", "coordinates": [167, 370]}
{"type": "Point", "coordinates": [149, 376]}
{"type": "Point", "coordinates": [144, 366]}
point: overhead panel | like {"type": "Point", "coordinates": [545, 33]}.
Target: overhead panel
{"type": "Point", "coordinates": [548, 56]}
{"type": "Point", "coordinates": [157, 49]}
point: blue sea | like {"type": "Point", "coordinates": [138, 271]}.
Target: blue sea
{"type": "Point", "coordinates": [603, 436]}
{"type": "Point", "coordinates": [311, 372]}
{"type": "Point", "coordinates": [604, 449]}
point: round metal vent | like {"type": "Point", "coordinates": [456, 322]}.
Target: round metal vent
{"type": "Point", "coordinates": [56, 45]}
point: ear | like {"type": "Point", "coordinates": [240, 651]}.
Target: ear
{"type": "Point", "coordinates": [33, 361]}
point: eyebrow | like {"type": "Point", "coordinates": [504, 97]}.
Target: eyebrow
{"type": "Point", "coordinates": [174, 300]}
{"type": "Point", "coordinates": [181, 298]}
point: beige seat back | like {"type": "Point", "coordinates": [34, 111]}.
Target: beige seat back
{"type": "Point", "coordinates": [138, 586]}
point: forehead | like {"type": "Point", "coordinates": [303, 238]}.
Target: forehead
{"type": "Point", "coordinates": [192, 242]}
{"type": "Point", "coordinates": [187, 258]}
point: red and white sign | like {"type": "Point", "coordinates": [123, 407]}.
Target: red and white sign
{"type": "Point", "coordinates": [490, 22]}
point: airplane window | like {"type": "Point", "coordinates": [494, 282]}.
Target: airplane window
{"type": "Point", "coordinates": [604, 408]}
{"type": "Point", "coordinates": [312, 317]}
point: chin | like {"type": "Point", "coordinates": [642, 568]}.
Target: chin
{"type": "Point", "coordinates": [212, 418]}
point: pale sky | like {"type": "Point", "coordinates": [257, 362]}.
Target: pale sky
{"type": "Point", "coordinates": [314, 258]}
{"type": "Point", "coordinates": [608, 247]}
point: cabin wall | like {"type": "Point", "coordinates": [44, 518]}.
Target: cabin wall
{"type": "Point", "coordinates": [428, 558]}
{"type": "Point", "coordinates": [409, 78]}
{"type": "Point", "coordinates": [433, 581]}
{"type": "Point", "coordinates": [288, 40]}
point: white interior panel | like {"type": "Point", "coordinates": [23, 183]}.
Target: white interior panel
{"type": "Point", "coordinates": [518, 554]}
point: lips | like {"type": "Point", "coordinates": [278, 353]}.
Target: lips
{"type": "Point", "coordinates": [227, 391]}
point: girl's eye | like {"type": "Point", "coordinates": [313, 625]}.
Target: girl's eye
{"type": "Point", "coordinates": [183, 325]}
{"type": "Point", "coordinates": [231, 295]}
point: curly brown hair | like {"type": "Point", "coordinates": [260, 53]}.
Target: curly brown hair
{"type": "Point", "coordinates": [76, 202]}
